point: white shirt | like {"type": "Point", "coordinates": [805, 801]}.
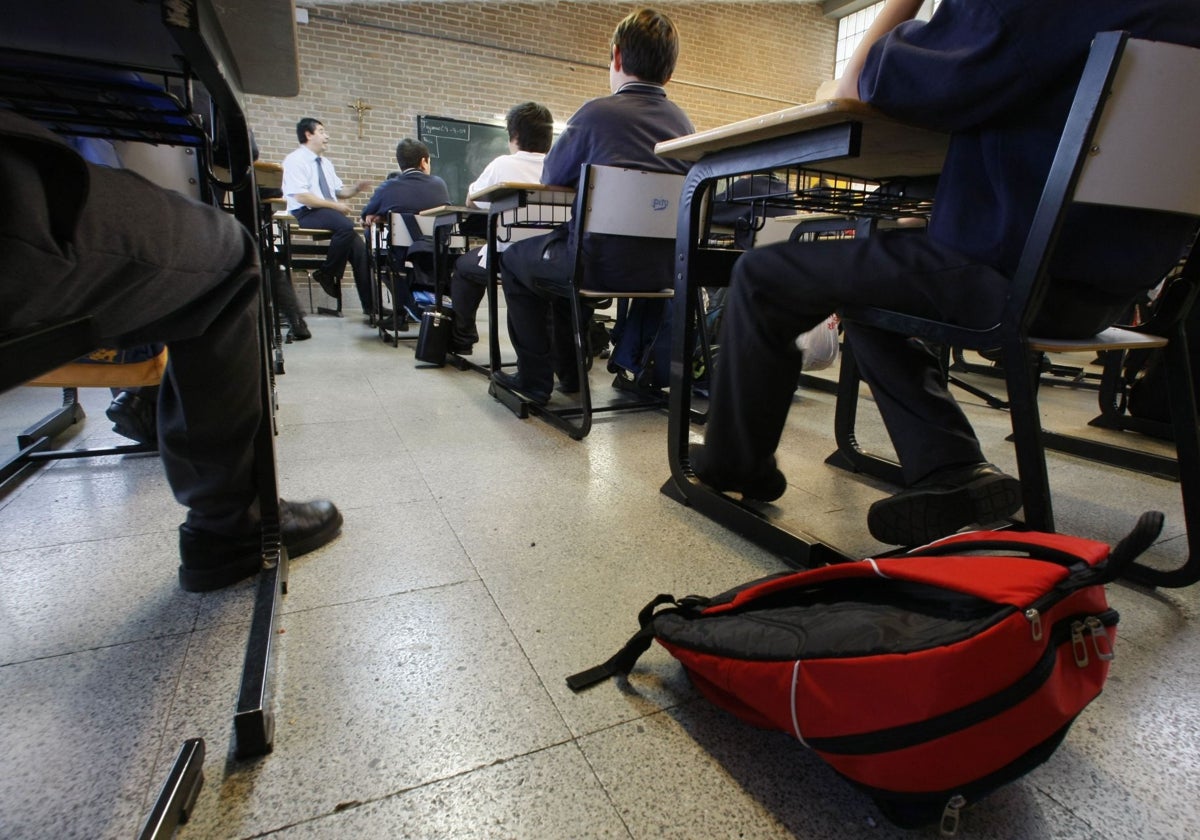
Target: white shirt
{"type": "Point", "coordinates": [300, 176]}
{"type": "Point", "coordinates": [521, 168]}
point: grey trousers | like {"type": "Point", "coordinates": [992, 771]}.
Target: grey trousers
{"type": "Point", "coordinates": [149, 265]}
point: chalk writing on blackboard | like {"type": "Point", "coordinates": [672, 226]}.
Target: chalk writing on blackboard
{"type": "Point", "coordinates": [460, 149]}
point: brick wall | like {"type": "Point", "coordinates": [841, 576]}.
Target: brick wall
{"type": "Point", "coordinates": [473, 60]}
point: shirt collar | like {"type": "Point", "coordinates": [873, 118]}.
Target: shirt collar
{"type": "Point", "coordinates": [642, 87]}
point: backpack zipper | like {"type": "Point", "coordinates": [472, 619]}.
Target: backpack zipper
{"type": "Point", "coordinates": [1070, 629]}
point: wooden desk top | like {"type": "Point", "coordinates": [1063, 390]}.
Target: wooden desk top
{"type": "Point", "coordinates": [889, 148]}
{"type": "Point", "coordinates": [539, 193]}
{"type": "Point", "coordinates": [451, 209]}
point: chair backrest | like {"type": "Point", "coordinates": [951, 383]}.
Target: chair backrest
{"type": "Point", "coordinates": [629, 202]}
{"type": "Point", "coordinates": [1143, 153]}
{"type": "Point", "coordinates": [400, 234]}
{"type": "Point", "coordinates": [1129, 141]}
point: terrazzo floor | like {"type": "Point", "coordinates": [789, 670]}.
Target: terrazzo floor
{"type": "Point", "coordinates": [421, 659]}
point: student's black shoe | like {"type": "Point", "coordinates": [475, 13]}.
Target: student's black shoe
{"type": "Point", "coordinates": [212, 561]}
{"type": "Point", "coordinates": [944, 502]}
{"type": "Point", "coordinates": [461, 348]}
{"type": "Point", "coordinates": [513, 382]}
{"type": "Point", "coordinates": [568, 385]}
{"type": "Point", "coordinates": [763, 484]}
{"type": "Point", "coordinates": [300, 330]}
{"type": "Point", "coordinates": [134, 416]}
{"type": "Point", "coordinates": [328, 282]}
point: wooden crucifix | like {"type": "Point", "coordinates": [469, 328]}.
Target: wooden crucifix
{"type": "Point", "coordinates": [360, 109]}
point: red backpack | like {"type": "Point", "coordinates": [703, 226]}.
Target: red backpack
{"type": "Point", "coordinates": [929, 678]}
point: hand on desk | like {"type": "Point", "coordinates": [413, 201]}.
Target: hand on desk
{"type": "Point", "coordinates": [836, 89]}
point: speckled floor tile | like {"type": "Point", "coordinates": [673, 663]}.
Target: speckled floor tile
{"type": "Point", "coordinates": [548, 794]}
{"type": "Point", "coordinates": [421, 658]}
{"type": "Point", "coordinates": [79, 739]}
{"type": "Point", "coordinates": [383, 550]}
{"type": "Point", "coordinates": [695, 771]}
{"type": "Point", "coordinates": [377, 697]}
{"type": "Point", "coordinates": [91, 594]}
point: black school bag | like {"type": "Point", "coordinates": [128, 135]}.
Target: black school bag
{"type": "Point", "coordinates": [927, 679]}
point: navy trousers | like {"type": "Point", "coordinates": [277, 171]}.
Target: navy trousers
{"type": "Point", "coordinates": [345, 246]}
{"type": "Point", "coordinates": [780, 291]}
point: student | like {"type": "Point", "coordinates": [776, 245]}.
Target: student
{"type": "Point", "coordinates": [146, 264]}
{"type": "Point", "coordinates": [999, 75]}
{"type": "Point", "coordinates": [315, 196]}
{"type": "Point", "coordinates": [530, 133]}
{"type": "Point", "coordinates": [622, 130]}
{"type": "Point", "coordinates": [410, 190]}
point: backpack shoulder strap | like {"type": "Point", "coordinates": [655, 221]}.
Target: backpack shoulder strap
{"type": "Point", "coordinates": [622, 661]}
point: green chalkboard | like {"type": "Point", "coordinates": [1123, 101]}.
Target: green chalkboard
{"type": "Point", "coordinates": [460, 149]}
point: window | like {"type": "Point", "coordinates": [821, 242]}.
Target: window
{"type": "Point", "coordinates": [851, 29]}
{"type": "Point", "coordinates": [853, 26]}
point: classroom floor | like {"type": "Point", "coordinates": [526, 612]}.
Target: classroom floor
{"type": "Point", "coordinates": [421, 658]}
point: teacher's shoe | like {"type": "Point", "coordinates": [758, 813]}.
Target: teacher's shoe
{"type": "Point", "coordinates": [763, 483]}
{"type": "Point", "coordinates": [212, 561]}
{"type": "Point", "coordinates": [944, 502]}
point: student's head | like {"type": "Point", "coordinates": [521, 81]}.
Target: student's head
{"type": "Point", "coordinates": [305, 127]}
{"type": "Point", "coordinates": [530, 126]}
{"type": "Point", "coordinates": [410, 153]}
{"type": "Point", "coordinates": [647, 44]}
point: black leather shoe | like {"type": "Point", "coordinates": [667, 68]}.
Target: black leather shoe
{"type": "Point", "coordinates": [134, 416]}
{"type": "Point", "coordinates": [212, 561]}
{"type": "Point", "coordinates": [513, 382]}
{"type": "Point", "coordinates": [300, 330]}
{"type": "Point", "coordinates": [461, 348]}
{"type": "Point", "coordinates": [764, 484]}
{"type": "Point", "coordinates": [944, 502]}
{"type": "Point", "coordinates": [331, 285]}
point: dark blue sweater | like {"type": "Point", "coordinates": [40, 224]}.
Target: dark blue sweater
{"type": "Point", "coordinates": [1000, 75]}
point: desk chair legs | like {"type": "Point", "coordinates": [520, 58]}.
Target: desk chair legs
{"type": "Point", "coordinates": [850, 455]}
{"type": "Point", "coordinates": [33, 444]}
{"type": "Point", "coordinates": [1187, 451]}
{"type": "Point", "coordinates": [179, 793]}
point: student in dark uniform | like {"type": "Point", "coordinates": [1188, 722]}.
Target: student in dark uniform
{"type": "Point", "coordinates": [410, 190]}
{"type": "Point", "coordinates": [999, 75]}
{"type": "Point", "coordinates": [617, 130]}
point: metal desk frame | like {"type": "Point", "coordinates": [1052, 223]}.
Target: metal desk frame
{"type": "Point", "coordinates": [228, 48]}
{"type": "Point", "coordinates": [842, 138]}
{"type": "Point", "coordinates": [446, 220]}
{"type": "Point", "coordinates": [515, 199]}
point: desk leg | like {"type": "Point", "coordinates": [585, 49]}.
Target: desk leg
{"type": "Point", "coordinates": [513, 402]}
{"type": "Point", "coordinates": [178, 795]}
{"type": "Point", "coordinates": [695, 271]}
{"type": "Point", "coordinates": [254, 726]}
